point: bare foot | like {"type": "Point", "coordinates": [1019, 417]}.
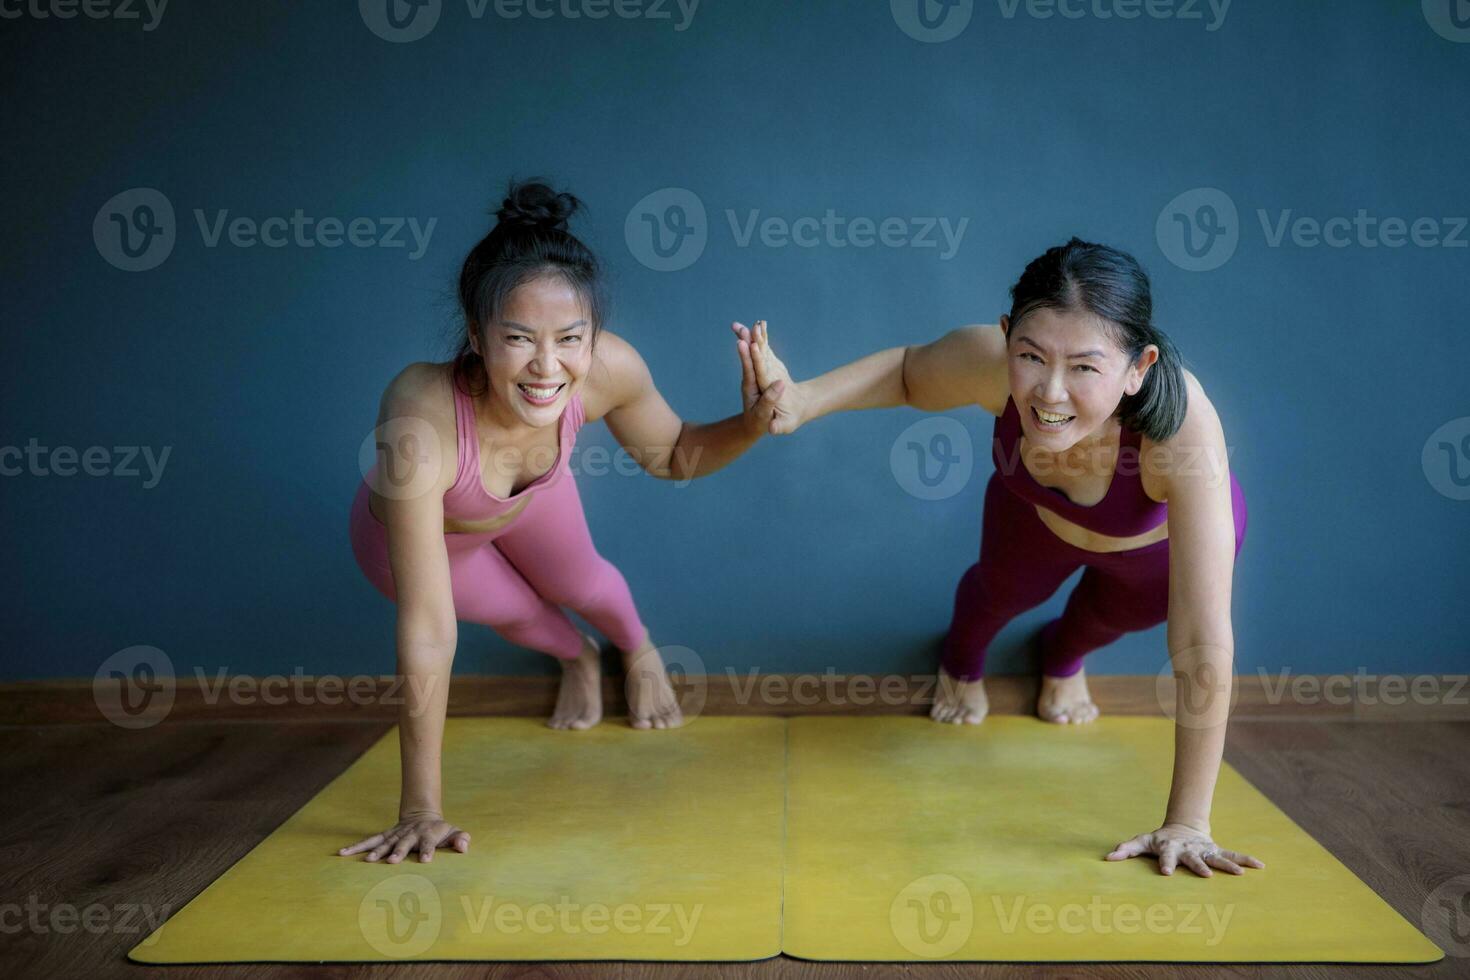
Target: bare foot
{"type": "Point", "coordinates": [1064, 700]}
{"type": "Point", "coordinates": [651, 699]}
{"type": "Point", "coordinates": [579, 699]}
{"type": "Point", "coordinates": [959, 702]}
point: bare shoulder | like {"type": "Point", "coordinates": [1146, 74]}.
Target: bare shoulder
{"type": "Point", "coordinates": [1195, 455]}
{"type": "Point", "coordinates": [421, 388]}
{"type": "Point", "coordinates": [420, 401]}
{"type": "Point", "coordinates": [993, 381]}
{"type": "Point", "coordinates": [617, 375]}
{"type": "Point", "coordinates": [966, 366]}
{"type": "Point", "coordinates": [1201, 425]}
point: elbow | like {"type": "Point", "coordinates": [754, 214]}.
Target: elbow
{"type": "Point", "coordinates": [669, 464]}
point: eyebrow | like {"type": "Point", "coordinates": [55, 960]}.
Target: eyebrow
{"type": "Point", "coordinates": [1085, 353]}
{"type": "Point", "coordinates": [512, 325]}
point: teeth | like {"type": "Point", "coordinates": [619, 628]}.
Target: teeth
{"type": "Point", "coordinates": [1049, 417]}
{"type": "Point", "coordinates": [539, 392]}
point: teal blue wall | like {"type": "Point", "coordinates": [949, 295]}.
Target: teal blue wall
{"type": "Point", "coordinates": [1339, 369]}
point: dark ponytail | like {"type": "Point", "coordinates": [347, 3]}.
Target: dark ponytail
{"type": "Point", "coordinates": [529, 240]}
{"type": "Point", "coordinates": [1110, 284]}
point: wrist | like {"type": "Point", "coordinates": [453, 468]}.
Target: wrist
{"type": "Point", "coordinates": [1199, 825]}
{"type": "Point", "coordinates": [407, 812]}
{"type": "Point", "coordinates": [808, 399]}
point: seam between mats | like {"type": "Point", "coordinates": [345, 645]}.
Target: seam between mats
{"type": "Point", "coordinates": [785, 821]}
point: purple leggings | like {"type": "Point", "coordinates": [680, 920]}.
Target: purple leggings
{"type": "Point", "coordinates": [1022, 562]}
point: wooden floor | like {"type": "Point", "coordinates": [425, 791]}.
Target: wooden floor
{"type": "Point", "coordinates": [149, 818]}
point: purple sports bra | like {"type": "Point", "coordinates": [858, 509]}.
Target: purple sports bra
{"type": "Point", "coordinates": [1124, 511]}
{"type": "Point", "coordinates": [468, 500]}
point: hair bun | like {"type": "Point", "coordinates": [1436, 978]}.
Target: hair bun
{"type": "Point", "coordinates": [534, 204]}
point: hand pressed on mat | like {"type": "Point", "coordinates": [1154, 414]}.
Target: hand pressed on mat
{"type": "Point", "coordinates": [416, 831]}
{"type": "Point", "coordinates": [1176, 844]}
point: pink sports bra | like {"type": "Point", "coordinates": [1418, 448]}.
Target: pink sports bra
{"type": "Point", "coordinates": [468, 500]}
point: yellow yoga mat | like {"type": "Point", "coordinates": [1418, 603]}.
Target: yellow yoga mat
{"type": "Point", "coordinates": [908, 840]}
{"type": "Point", "coordinates": [604, 844]}
{"type": "Point", "coordinates": [903, 840]}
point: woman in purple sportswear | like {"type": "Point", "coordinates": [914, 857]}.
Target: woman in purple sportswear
{"type": "Point", "coordinates": [1108, 455]}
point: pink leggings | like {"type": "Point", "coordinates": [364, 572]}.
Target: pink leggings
{"type": "Point", "coordinates": [513, 580]}
{"type": "Point", "coordinates": [1022, 562]}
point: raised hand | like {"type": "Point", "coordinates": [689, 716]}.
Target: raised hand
{"type": "Point", "coordinates": [759, 400]}
{"type": "Point", "coordinates": [1176, 844]}
{"type": "Point", "coordinates": [768, 373]}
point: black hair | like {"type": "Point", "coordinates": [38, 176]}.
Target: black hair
{"type": "Point", "coordinates": [529, 240]}
{"type": "Point", "coordinates": [1110, 284]}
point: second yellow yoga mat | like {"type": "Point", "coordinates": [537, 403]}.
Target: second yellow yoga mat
{"type": "Point", "coordinates": [908, 840]}
{"type": "Point", "coordinates": [604, 844]}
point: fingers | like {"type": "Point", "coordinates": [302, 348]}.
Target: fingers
{"type": "Point", "coordinates": [1168, 860]}
{"type": "Point", "coordinates": [1196, 863]}
{"type": "Point", "coordinates": [460, 841]}
{"type": "Point", "coordinates": [388, 840]}
{"type": "Point", "coordinates": [748, 387]}
{"type": "Point", "coordinates": [1219, 860]}
{"type": "Point", "coordinates": [361, 845]}
{"type": "Point", "coordinates": [1130, 848]}
{"type": "Point", "coordinates": [404, 845]}
{"type": "Point", "coordinates": [767, 367]}
{"type": "Point", "coordinates": [1244, 860]}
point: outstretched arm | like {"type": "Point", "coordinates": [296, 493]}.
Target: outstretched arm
{"type": "Point", "coordinates": [966, 366]}
{"type": "Point", "coordinates": [1200, 638]}
{"type": "Point", "coordinates": [663, 444]}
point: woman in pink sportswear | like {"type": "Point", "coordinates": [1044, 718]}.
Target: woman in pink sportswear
{"type": "Point", "coordinates": [1108, 455]}
{"type": "Point", "coordinates": [471, 512]}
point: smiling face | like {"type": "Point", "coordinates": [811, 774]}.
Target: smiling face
{"type": "Point", "coordinates": [1068, 376]}
{"type": "Point", "coordinates": [537, 353]}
